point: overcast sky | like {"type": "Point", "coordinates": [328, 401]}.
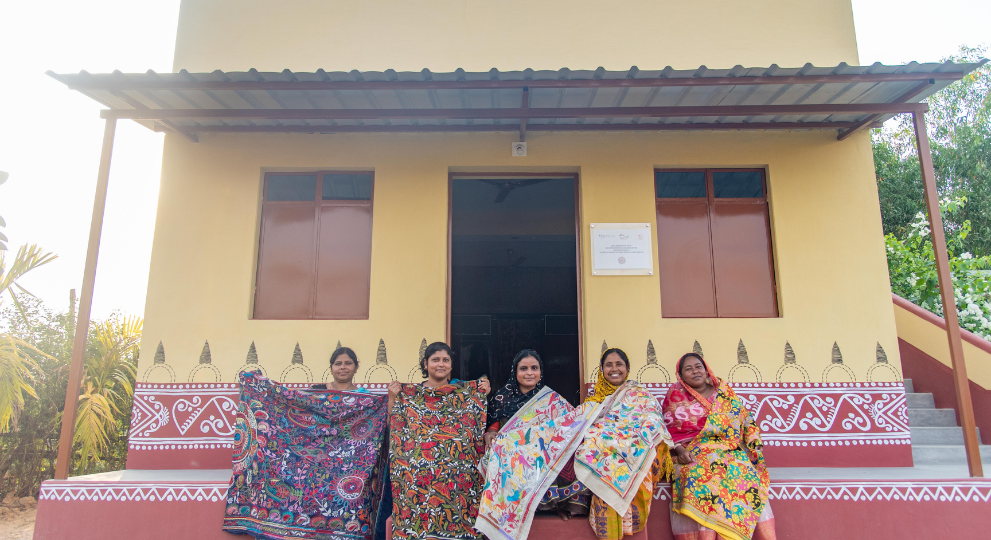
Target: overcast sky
{"type": "Point", "coordinates": [50, 137]}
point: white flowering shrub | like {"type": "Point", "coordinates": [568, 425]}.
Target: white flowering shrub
{"type": "Point", "coordinates": [912, 267]}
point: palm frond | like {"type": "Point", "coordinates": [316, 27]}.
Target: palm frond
{"type": "Point", "coordinates": [95, 419]}
{"type": "Point", "coordinates": [16, 378]}
{"type": "Point", "coordinates": [28, 258]}
{"type": "Point", "coordinates": [108, 382]}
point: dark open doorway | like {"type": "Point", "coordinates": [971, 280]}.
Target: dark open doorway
{"type": "Point", "coordinates": [514, 280]}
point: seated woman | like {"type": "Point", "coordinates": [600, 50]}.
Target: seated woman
{"type": "Point", "coordinates": [436, 438]}
{"type": "Point", "coordinates": [606, 522]}
{"type": "Point", "coordinates": [566, 496]}
{"type": "Point", "coordinates": [720, 483]}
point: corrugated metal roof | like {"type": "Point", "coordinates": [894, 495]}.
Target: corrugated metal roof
{"type": "Point", "coordinates": [840, 97]}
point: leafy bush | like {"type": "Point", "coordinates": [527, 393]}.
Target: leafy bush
{"type": "Point", "coordinates": [28, 451]}
{"type": "Point", "coordinates": [912, 267]}
{"type": "Point", "coordinates": [959, 125]}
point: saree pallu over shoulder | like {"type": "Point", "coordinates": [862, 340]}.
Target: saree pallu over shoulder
{"type": "Point", "coordinates": [621, 446]}
{"type": "Point", "coordinates": [306, 464]}
{"type": "Point", "coordinates": [524, 460]}
{"type": "Point", "coordinates": [726, 488]}
{"type": "Point", "coordinates": [436, 441]}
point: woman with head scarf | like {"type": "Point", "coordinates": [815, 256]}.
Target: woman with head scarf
{"type": "Point", "coordinates": [719, 486]}
{"type": "Point", "coordinates": [566, 496]}
{"type": "Point", "coordinates": [628, 406]}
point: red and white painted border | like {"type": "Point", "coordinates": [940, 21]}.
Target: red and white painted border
{"type": "Point", "coordinates": [68, 490]}
{"type": "Point", "coordinates": [190, 426]}
{"type": "Point", "coordinates": [828, 490]}
{"type": "Point", "coordinates": [873, 490]}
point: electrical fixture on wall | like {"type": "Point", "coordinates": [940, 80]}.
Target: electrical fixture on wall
{"type": "Point", "coordinates": [519, 149]}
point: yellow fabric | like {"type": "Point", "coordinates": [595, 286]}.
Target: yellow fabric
{"type": "Point", "coordinates": [602, 390]}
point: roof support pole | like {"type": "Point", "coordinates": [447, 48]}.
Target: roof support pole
{"type": "Point", "coordinates": [85, 305]}
{"type": "Point", "coordinates": [960, 380]}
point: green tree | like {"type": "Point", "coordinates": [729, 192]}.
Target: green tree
{"type": "Point", "coordinates": [16, 366]}
{"type": "Point", "coordinates": [913, 270]}
{"type": "Point", "coordinates": [108, 386]}
{"type": "Point", "coordinates": [28, 452]}
{"type": "Point", "coordinates": [959, 126]}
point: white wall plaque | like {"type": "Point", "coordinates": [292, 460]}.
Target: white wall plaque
{"type": "Point", "coordinates": [622, 249]}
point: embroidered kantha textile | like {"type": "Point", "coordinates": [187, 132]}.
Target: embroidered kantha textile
{"type": "Point", "coordinates": [436, 442]}
{"type": "Point", "coordinates": [524, 460]}
{"type": "Point", "coordinates": [620, 447]}
{"type": "Point", "coordinates": [307, 464]}
{"type": "Point", "coordinates": [726, 488]}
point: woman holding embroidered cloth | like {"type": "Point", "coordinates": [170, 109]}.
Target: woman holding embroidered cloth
{"type": "Point", "coordinates": [566, 496]}
{"type": "Point", "coordinates": [436, 440]}
{"type": "Point", "coordinates": [625, 453]}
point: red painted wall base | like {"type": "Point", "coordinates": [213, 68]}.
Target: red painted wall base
{"type": "Point", "coordinates": [803, 509]}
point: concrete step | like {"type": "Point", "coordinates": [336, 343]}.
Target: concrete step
{"type": "Point", "coordinates": [939, 435]}
{"type": "Point", "coordinates": [932, 418]}
{"type": "Point", "coordinates": [934, 454]}
{"type": "Point", "coordinates": [909, 387]}
{"type": "Point", "coordinates": [920, 401]}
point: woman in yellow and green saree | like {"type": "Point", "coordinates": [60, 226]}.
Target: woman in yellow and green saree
{"type": "Point", "coordinates": [613, 461]}
{"type": "Point", "coordinates": [719, 486]}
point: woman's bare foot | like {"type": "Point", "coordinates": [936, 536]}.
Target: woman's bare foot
{"type": "Point", "coordinates": [564, 514]}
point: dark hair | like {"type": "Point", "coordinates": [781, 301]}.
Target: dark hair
{"type": "Point", "coordinates": [344, 350]}
{"type": "Point", "coordinates": [431, 350]}
{"type": "Point", "coordinates": [681, 361]}
{"type": "Point", "coordinates": [607, 352]}
{"type": "Point", "coordinates": [527, 353]}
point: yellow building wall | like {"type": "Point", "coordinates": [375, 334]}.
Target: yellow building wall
{"type": "Point", "coordinates": [831, 273]}
{"type": "Point", "coordinates": [828, 249]}
{"type": "Point", "coordinates": [477, 35]}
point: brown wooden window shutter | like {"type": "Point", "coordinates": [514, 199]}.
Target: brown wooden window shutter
{"type": "Point", "coordinates": [714, 243]}
{"type": "Point", "coordinates": [315, 248]}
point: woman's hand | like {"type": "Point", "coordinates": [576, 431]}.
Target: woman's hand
{"type": "Point", "coordinates": [485, 386]}
{"type": "Point", "coordinates": [488, 437]}
{"type": "Point", "coordinates": [681, 455]}
{"type": "Point", "coordinates": [394, 388]}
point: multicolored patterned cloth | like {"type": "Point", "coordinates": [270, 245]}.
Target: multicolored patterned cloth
{"type": "Point", "coordinates": [436, 441]}
{"type": "Point", "coordinates": [725, 490]}
{"type": "Point", "coordinates": [524, 460]}
{"type": "Point", "coordinates": [307, 464]}
{"type": "Point", "coordinates": [620, 447]}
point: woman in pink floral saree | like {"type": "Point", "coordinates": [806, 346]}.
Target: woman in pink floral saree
{"type": "Point", "coordinates": [719, 486]}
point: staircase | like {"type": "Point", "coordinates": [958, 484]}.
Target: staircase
{"type": "Point", "coordinates": [936, 437]}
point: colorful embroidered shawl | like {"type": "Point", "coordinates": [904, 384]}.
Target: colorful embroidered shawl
{"type": "Point", "coordinates": [307, 464]}
{"type": "Point", "coordinates": [436, 441]}
{"type": "Point", "coordinates": [726, 488]}
{"type": "Point", "coordinates": [620, 447]}
{"type": "Point", "coordinates": [525, 458]}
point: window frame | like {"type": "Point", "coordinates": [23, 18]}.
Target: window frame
{"type": "Point", "coordinates": [711, 201]}
{"type": "Point", "coordinates": [318, 204]}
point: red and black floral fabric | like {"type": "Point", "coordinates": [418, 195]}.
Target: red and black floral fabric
{"type": "Point", "coordinates": [436, 443]}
